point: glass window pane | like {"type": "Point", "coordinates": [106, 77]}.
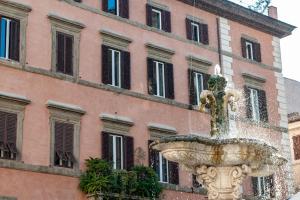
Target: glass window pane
{"type": "Point", "coordinates": [195, 32]}
{"type": "Point", "coordinates": [3, 38]}
{"type": "Point", "coordinates": [156, 19]}
{"type": "Point", "coordinates": [110, 150]}
{"type": "Point", "coordinates": [161, 79]}
{"type": "Point", "coordinates": [118, 152]}
{"type": "Point", "coordinates": [117, 68]}
{"type": "Point", "coordinates": [112, 6]}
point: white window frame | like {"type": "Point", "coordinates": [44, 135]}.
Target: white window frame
{"type": "Point", "coordinates": [159, 14]}
{"type": "Point", "coordinates": [254, 104]}
{"type": "Point", "coordinates": [161, 169]}
{"type": "Point", "coordinates": [7, 38]}
{"type": "Point", "coordinates": [114, 150]}
{"type": "Point", "coordinates": [198, 32]}
{"type": "Point", "coordinates": [251, 50]}
{"type": "Point", "coordinates": [157, 64]}
{"type": "Point", "coordinates": [113, 80]}
{"type": "Point", "coordinates": [196, 85]}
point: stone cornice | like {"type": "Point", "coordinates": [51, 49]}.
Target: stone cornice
{"type": "Point", "coordinates": [244, 16]}
{"type": "Point", "coordinates": [65, 107]}
{"type": "Point", "coordinates": [116, 119]}
{"type": "Point", "coordinates": [14, 97]}
{"type": "Point", "coordinates": [66, 21]}
{"type": "Point", "coordinates": [15, 5]}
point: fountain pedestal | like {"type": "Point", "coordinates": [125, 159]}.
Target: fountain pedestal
{"type": "Point", "coordinates": [222, 183]}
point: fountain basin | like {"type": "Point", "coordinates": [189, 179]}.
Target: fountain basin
{"type": "Point", "coordinates": [194, 151]}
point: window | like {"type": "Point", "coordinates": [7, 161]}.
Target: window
{"type": "Point", "coordinates": [160, 78]}
{"type": "Point", "coordinates": [263, 186]}
{"type": "Point", "coordinates": [197, 31]}
{"type": "Point", "coordinates": [115, 67]}
{"type": "Point", "coordinates": [64, 142]}
{"type": "Point", "coordinates": [64, 53]}
{"type": "Point", "coordinates": [251, 50]}
{"type": "Point", "coordinates": [8, 135]}
{"type": "Point", "coordinates": [9, 38]}
{"type": "Point", "coordinates": [158, 18]}
{"type": "Point", "coordinates": [296, 146]}
{"type": "Point", "coordinates": [116, 7]}
{"type": "Point", "coordinates": [256, 104]}
{"type": "Point", "coordinates": [197, 83]}
{"type": "Point", "coordinates": [118, 150]}
{"type": "Point", "coordinates": [167, 171]}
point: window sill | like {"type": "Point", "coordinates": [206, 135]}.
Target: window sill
{"type": "Point", "coordinates": [168, 186]}
{"type": "Point", "coordinates": [10, 63]}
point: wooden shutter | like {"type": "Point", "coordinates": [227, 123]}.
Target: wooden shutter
{"type": "Point", "coordinates": [14, 40]}
{"type": "Point", "coordinates": [125, 70]}
{"type": "Point", "coordinates": [106, 66]}
{"type": "Point", "coordinates": [105, 146]}
{"type": "Point", "coordinates": [11, 131]}
{"type": "Point", "coordinates": [205, 81]}
{"type": "Point", "coordinates": [153, 158]}
{"type": "Point", "coordinates": [68, 55]}
{"type": "Point", "coordinates": [169, 80]}
{"type": "Point", "coordinates": [151, 77]}
{"type": "Point", "coordinates": [263, 108]}
{"type": "Point", "coordinates": [58, 143]}
{"type": "Point", "coordinates": [68, 138]}
{"type": "Point", "coordinates": [188, 24]}
{"type": "Point", "coordinates": [128, 152]}
{"type": "Point", "coordinates": [124, 8]}
{"type": "Point", "coordinates": [248, 102]}
{"type": "Point", "coordinates": [192, 92]}
{"type": "Point", "coordinates": [173, 173]}
{"type": "Point", "coordinates": [105, 5]}
{"type": "Point", "coordinates": [257, 52]}
{"type": "Point", "coordinates": [203, 33]}
{"type": "Point", "coordinates": [2, 130]}
{"type": "Point", "coordinates": [148, 15]}
{"type": "Point", "coordinates": [243, 45]}
{"type": "Point", "coordinates": [60, 52]}
{"type": "Point", "coordinates": [166, 20]}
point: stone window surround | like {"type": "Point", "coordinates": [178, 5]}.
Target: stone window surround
{"type": "Point", "coordinates": [20, 12]}
{"type": "Point", "coordinates": [254, 81]}
{"type": "Point", "coordinates": [249, 38]}
{"type": "Point", "coordinates": [158, 131]}
{"type": "Point", "coordinates": [116, 124]}
{"type": "Point", "coordinates": [65, 113]}
{"type": "Point", "coordinates": [196, 19]}
{"type": "Point", "coordinates": [15, 104]}
{"type": "Point", "coordinates": [115, 40]}
{"type": "Point", "coordinates": [158, 5]}
{"type": "Point", "coordinates": [199, 64]}
{"type": "Point", "coordinates": [159, 53]}
{"type": "Point", "coordinates": [70, 27]}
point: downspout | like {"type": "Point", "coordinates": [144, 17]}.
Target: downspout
{"type": "Point", "coordinates": [219, 44]}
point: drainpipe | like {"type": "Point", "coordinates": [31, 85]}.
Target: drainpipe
{"type": "Point", "coordinates": [219, 44]}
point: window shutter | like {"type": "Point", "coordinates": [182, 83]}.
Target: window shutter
{"type": "Point", "coordinates": [166, 20]}
{"type": "Point", "coordinates": [14, 40]}
{"type": "Point", "coordinates": [262, 103]}
{"type": "Point", "coordinates": [60, 52]}
{"type": "Point", "coordinates": [69, 55]}
{"type": "Point", "coordinates": [128, 152]}
{"type": "Point", "coordinates": [11, 130]}
{"type": "Point", "coordinates": [257, 52]}
{"type": "Point", "coordinates": [125, 70]}
{"type": "Point", "coordinates": [188, 24]}
{"type": "Point", "coordinates": [124, 8]}
{"type": "Point", "coordinates": [248, 103]}
{"type": "Point", "coordinates": [243, 44]}
{"type": "Point", "coordinates": [173, 173]}
{"type": "Point", "coordinates": [205, 81]}
{"type": "Point", "coordinates": [148, 15]}
{"type": "Point", "coordinates": [255, 185]}
{"type": "Point", "coordinates": [151, 77]}
{"type": "Point", "coordinates": [191, 84]}
{"type": "Point", "coordinates": [153, 158]}
{"type": "Point", "coordinates": [68, 138]}
{"type": "Point", "coordinates": [105, 146]}
{"type": "Point", "coordinates": [296, 145]}
{"type": "Point", "coordinates": [204, 33]}
{"type": "Point", "coordinates": [169, 81]}
{"type": "Point", "coordinates": [106, 66]}
{"type": "Point", "coordinates": [105, 5]}
{"type": "Point", "coordinates": [58, 143]}
{"type": "Point", "coordinates": [2, 129]}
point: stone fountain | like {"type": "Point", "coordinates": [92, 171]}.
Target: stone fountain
{"type": "Point", "coordinates": [220, 162]}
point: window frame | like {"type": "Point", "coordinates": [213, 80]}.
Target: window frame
{"type": "Point", "coordinates": [159, 12]}
{"type": "Point", "coordinates": [193, 24]}
{"type": "Point", "coordinates": [196, 85]}
{"type": "Point", "coordinates": [113, 67]}
{"type": "Point", "coordinates": [255, 114]}
{"type": "Point", "coordinates": [117, 9]}
{"type": "Point", "coordinates": [114, 151]}
{"type": "Point", "coordinates": [249, 55]}
{"type": "Point", "coordinates": [157, 78]}
{"type": "Point", "coordinates": [161, 171]}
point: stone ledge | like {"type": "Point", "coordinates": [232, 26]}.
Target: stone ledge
{"type": "Point", "coordinates": [198, 60]}
{"type": "Point", "coordinates": [66, 107]}
{"type": "Point", "coordinates": [14, 97]}
{"type": "Point", "coordinates": [7, 198]}
{"type": "Point", "coordinates": [16, 5]}
{"type": "Point", "coordinates": [38, 168]}
{"type": "Point", "coordinates": [162, 128]}
{"type": "Point", "coordinates": [160, 48]}
{"type": "Point", "coordinates": [66, 21]}
{"type": "Point", "coordinates": [177, 188]}
{"type": "Point", "coordinates": [116, 119]}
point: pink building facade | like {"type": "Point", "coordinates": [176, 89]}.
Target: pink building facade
{"type": "Point", "coordinates": [103, 78]}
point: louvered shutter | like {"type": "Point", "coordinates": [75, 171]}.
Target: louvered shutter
{"type": "Point", "coordinates": [148, 15]}
{"type": "Point", "coordinates": [248, 102]}
{"type": "Point", "coordinates": [69, 55]}
{"type": "Point", "coordinates": [11, 131]}
{"type": "Point", "coordinates": [203, 33]}
{"type": "Point", "coordinates": [166, 20]}
{"type": "Point", "coordinates": [58, 143]}
{"type": "Point", "coordinates": [173, 172]}
{"type": "Point", "coordinates": [105, 5]}
{"type": "Point", "coordinates": [169, 81]}
{"type": "Point", "coordinates": [106, 65]}
{"type": "Point", "coordinates": [128, 152]}
{"type": "Point", "coordinates": [151, 77]}
{"type": "Point", "coordinates": [2, 130]}
{"type": "Point", "coordinates": [153, 158]}
{"type": "Point", "coordinates": [191, 83]}
{"type": "Point", "coordinates": [60, 52]}
{"type": "Point", "coordinates": [188, 24]}
{"type": "Point", "coordinates": [68, 138]}
{"type": "Point", "coordinates": [125, 70]}
{"type": "Point", "coordinates": [243, 45]}
{"type": "Point", "coordinates": [14, 40]}
{"type": "Point", "coordinates": [257, 52]}
{"type": "Point", "coordinates": [105, 146]}
{"type": "Point", "coordinates": [262, 103]}
{"type": "Point", "coordinates": [124, 8]}
{"type": "Point", "coordinates": [205, 81]}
